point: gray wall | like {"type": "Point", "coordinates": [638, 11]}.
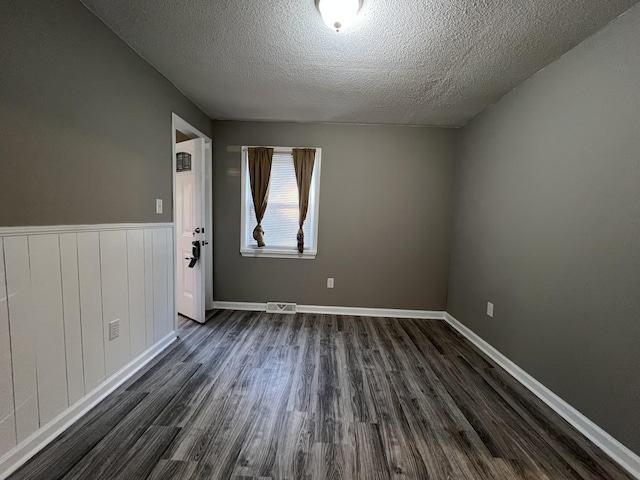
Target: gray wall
{"type": "Point", "coordinates": [547, 227]}
{"type": "Point", "coordinates": [384, 223]}
{"type": "Point", "coordinates": [85, 123]}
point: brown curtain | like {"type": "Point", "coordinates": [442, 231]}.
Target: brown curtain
{"type": "Point", "coordinates": [260, 159]}
{"type": "Point", "coordinates": [303, 160]}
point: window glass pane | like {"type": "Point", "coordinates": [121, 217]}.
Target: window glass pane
{"type": "Point", "coordinates": [280, 222]}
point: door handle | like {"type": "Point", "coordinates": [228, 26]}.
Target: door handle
{"type": "Point", "coordinates": [195, 253]}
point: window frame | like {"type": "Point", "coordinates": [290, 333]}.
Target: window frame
{"type": "Point", "coordinates": [277, 252]}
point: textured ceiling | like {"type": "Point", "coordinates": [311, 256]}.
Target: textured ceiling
{"type": "Point", "coordinates": [422, 62]}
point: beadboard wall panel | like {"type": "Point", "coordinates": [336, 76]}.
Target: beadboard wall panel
{"type": "Point", "coordinates": [135, 269]}
{"type": "Point", "coordinates": [148, 286]}
{"type": "Point", "coordinates": [71, 307]}
{"type": "Point", "coordinates": [7, 417]}
{"type": "Point", "coordinates": [160, 278]}
{"type": "Point", "coordinates": [170, 279]}
{"type": "Point", "coordinates": [22, 324]}
{"type": "Point", "coordinates": [115, 298]}
{"type": "Point", "coordinates": [91, 309]}
{"type": "Point", "coordinates": [46, 290]}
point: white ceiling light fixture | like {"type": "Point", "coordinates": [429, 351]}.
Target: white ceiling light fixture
{"type": "Point", "coordinates": [338, 14]}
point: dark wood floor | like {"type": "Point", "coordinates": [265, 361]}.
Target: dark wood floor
{"type": "Point", "coordinates": [254, 395]}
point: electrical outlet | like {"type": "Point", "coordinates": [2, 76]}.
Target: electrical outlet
{"type": "Point", "coordinates": [114, 329]}
{"type": "Point", "coordinates": [158, 205]}
{"type": "Point", "coordinates": [329, 282]}
{"type": "Point", "coordinates": [490, 309]}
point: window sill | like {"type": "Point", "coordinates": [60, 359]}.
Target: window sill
{"type": "Point", "coordinates": [256, 252]}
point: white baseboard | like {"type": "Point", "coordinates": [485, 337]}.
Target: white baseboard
{"type": "Point", "coordinates": [612, 447]}
{"type": "Point", "coordinates": [372, 312]}
{"type": "Point", "coordinates": [251, 307]}
{"type": "Point", "coordinates": [19, 455]}
{"type": "Point", "coordinates": [354, 311]}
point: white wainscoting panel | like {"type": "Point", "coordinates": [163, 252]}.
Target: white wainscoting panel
{"type": "Point", "coordinates": [60, 287]}
{"type": "Point", "coordinates": [171, 291]}
{"type": "Point", "coordinates": [46, 292]}
{"type": "Point", "coordinates": [71, 307]}
{"type": "Point", "coordinates": [160, 287]}
{"type": "Point", "coordinates": [23, 325]}
{"type": "Point", "coordinates": [91, 309]}
{"type": "Point", "coordinates": [148, 286]}
{"type": "Point", "coordinates": [115, 298]}
{"type": "Point", "coordinates": [137, 315]}
{"type": "Point", "coordinates": [7, 417]}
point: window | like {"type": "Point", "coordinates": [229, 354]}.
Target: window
{"type": "Point", "coordinates": [280, 222]}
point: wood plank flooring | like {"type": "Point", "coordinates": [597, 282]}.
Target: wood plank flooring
{"type": "Point", "coordinates": [262, 396]}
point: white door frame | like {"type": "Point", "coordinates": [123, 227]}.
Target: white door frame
{"type": "Point", "coordinates": [178, 123]}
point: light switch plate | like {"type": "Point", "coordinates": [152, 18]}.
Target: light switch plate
{"type": "Point", "coordinates": [490, 309]}
{"type": "Point", "coordinates": [329, 282]}
{"type": "Point", "coordinates": [158, 205]}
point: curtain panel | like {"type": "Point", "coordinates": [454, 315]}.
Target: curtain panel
{"type": "Point", "coordinates": [260, 159]}
{"type": "Point", "coordinates": [303, 161]}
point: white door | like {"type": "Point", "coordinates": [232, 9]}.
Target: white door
{"type": "Point", "coordinates": [189, 229]}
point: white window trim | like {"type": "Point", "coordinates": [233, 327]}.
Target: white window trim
{"type": "Point", "coordinates": [277, 252]}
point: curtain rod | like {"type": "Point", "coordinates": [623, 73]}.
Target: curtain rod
{"type": "Point", "coordinates": [238, 148]}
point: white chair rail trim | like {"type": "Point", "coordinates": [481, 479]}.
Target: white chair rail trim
{"type": "Point", "coordinates": [48, 229]}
